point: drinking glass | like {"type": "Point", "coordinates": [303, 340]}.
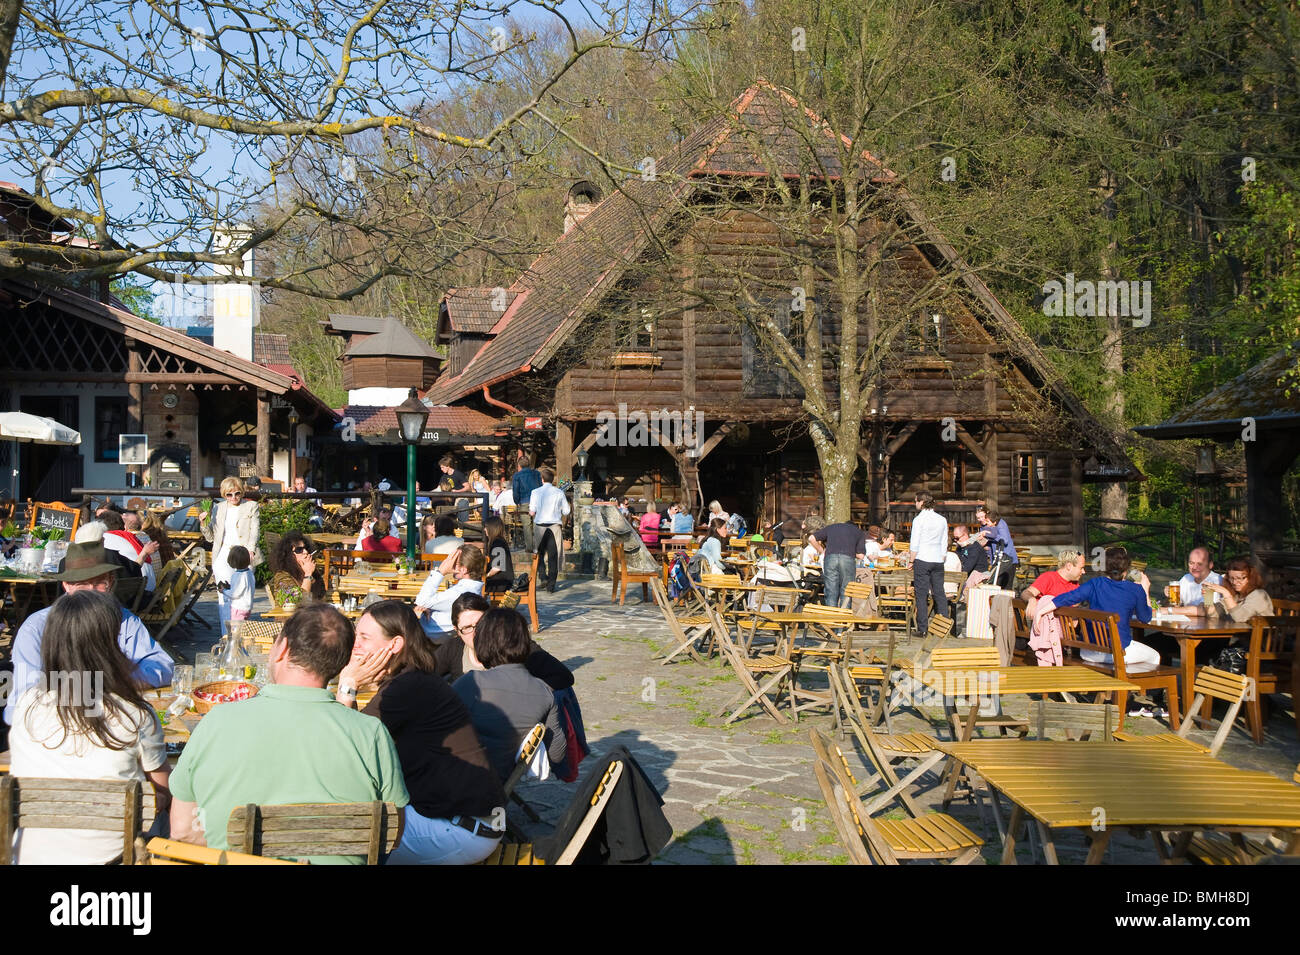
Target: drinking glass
{"type": "Point", "coordinates": [183, 679]}
{"type": "Point", "coordinates": [205, 668]}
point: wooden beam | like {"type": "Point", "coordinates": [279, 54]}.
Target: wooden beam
{"type": "Point", "coordinates": [563, 450]}
{"type": "Point", "coordinates": [263, 452]}
{"type": "Point", "coordinates": [135, 400]}
{"type": "Point", "coordinates": [714, 441]}
{"type": "Point", "coordinates": [971, 445]}
{"type": "Point", "coordinates": [900, 439]}
{"type": "Point", "coordinates": [992, 469]}
{"type": "Point", "coordinates": [587, 443]}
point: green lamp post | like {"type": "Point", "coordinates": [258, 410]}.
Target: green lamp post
{"type": "Point", "coordinates": [411, 415]}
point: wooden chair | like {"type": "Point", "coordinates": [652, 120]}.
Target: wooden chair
{"type": "Point", "coordinates": [170, 852]}
{"type": "Point", "coordinates": [982, 657]}
{"type": "Point", "coordinates": [1286, 608]}
{"type": "Point", "coordinates": [686, 630]}
{"type": "Point", "coordinates": [1269, 663]}
{"type": "Point", "coordinates": [104, 805]}
{"type": "Point", "coordinates": [619, 573]}
{"type": "Point", "coordinates": [529, 599]}
{"type": "Point", "coordinates": [527, 752]}
{"type": "Point", "coordinates": [1233, 688]}
{"type": "Point", "coordinates": [338, 562]}
{"type": "Point", "coordinates": [129, 591]}
{"type": "Point", "coordinates": [1094, 630]}
{"type": "Point", "coordinates": [857, 590]}
{"type": "Point", "coordinates": [1096, 722]}
{"type": "Point", "coordinates": [370, 829]}
{"type": "Point", "coordinates": [262, 633]}
{"type": "Point", "coordinates": [1221, 848]}
{"type": "Point", "coordinates": [522, 853]}
{"type": "Point", "coordinates": [869, 840]}
{"type": "Point", "coordinates": [773, 669]}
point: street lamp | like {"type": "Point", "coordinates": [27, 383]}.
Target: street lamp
{"type": "Point", "coordinates": [293, 445]}
{"type": "Point", "coordinates": [411, 415]}
{"type": "Point", "coordinates": [582, 465]}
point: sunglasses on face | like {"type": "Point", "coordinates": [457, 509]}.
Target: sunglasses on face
{"type": "Point", "coordinates": [233, 494]}
{"type": "Point", "coordinates": [300, 549]}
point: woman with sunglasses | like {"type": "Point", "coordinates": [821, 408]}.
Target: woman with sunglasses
{"type": "Point", "coordinates": [457, 807]}
{"type": "Point", "coordinates": [295, 573]}
{"type": "Point", "coordinates": [233, 521]}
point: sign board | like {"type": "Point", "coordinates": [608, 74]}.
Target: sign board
{"type": "Point", "coordinates": [56, 515]}
{"type": "Point", "coordinates": [133, 449]}
{"type": "Point", "coordinates": [532, 424]}
{"type": "Point", "coordinates": [433, 436]}
{"type": "Point", "coordinates": [1107, 471]}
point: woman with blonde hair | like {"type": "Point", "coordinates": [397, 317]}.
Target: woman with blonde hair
{"type": "Point", "coordinates": [233, 522]}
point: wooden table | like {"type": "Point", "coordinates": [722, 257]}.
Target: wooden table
{"type": "Point", "coordinates": [1189, 636]}
{"type": "Point", "coordinates": [395, 586]}
{"type": "Point", "coordinates": [1010, 681]}
{"type": "Point", "coordinates": [23, 590]}
{"type": "Point", "coordinates": [834, 623]}
{"type": "Point", "coordinates": [1102, 786]}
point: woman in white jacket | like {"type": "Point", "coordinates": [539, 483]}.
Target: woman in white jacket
{"type": "Point", "coordinates": [232, 522]}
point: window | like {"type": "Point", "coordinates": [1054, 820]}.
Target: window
{"type": "Point", "coordinates": [110, 422]}
{"type": "Point", "coordinates": [954, 474]}
{"type": "Point", "coordinates": [1031, 472]}
{"type": "Point", "coordinates": [636, 331]}
{"type": "Point", "coordinates": [764, 375]}
{"type": "Point", "coordinates": [927, 333]}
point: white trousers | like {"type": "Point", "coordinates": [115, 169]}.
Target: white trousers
{"type": "Point", "coordinates": [1134, 653]}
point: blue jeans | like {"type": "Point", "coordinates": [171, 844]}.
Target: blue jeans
{"type": "Point", "coordinates": [438, 842]}
{"type": "Point", "coordinates": [837, 570]}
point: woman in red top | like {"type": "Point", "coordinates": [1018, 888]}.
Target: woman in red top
{"type": "Point", "coordinates": [381, 539]}
{"type": "Point", "coordinates": [1066, 577]}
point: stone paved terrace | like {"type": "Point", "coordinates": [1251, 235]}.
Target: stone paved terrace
{"type": "Point", "coordinates": [744, 793]}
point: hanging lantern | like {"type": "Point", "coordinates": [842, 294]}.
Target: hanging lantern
{"type": "Point", "coordinates": [1205, 463]}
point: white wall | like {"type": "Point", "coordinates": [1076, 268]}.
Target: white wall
{"type": "Point", "coordinates": [95, 475]}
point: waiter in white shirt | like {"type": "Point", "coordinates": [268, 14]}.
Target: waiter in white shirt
{"type": "Point", "coordinates": [548, 507]}
{"type": "Point", "coordinates": [928, 546]}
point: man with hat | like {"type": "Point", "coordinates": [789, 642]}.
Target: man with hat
{"type": "Point", "coordinates": [86, 567]}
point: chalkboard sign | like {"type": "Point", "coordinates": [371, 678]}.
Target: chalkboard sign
{"type": "Point", "coordinates": [56, 515]}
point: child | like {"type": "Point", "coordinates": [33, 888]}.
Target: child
{"type": "Point", "coordinates": [236, 602]}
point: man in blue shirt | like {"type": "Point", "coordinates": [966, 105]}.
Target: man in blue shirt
{"type": "Point", "coordinates": [86, 567]}
{"type": "Point", "coordinates": [525, 482]}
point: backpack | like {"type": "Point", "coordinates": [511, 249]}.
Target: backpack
{"type": "Point", "coordinates": [678, 582]}
{"type": "Point", "coordinates": [736, 526]}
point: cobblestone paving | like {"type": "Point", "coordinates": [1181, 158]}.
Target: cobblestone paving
{"type": "Point", "coordinates": [744, 793]}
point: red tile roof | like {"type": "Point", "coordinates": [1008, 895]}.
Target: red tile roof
{"type": "Point", "coordinates": [271, 349]}
{"type": "Point", "coordinates": [474, 310]}
{"type": "Point", "coordinates": [457, 421]}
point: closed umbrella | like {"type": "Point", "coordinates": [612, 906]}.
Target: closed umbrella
{"type": "Point", "coordinates": [20, 426]}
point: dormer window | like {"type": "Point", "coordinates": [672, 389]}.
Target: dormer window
{"type": "Point", "coordinates": [636, 332]}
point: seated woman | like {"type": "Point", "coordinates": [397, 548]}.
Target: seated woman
{"type": "Point", "coordinates": [455, 657]}
{"type": "Point", "coordinates": [57, 734]}
{"type": "Point", "coordinates": [1240, 596]}
{"type": "Point", "coordinates": [1053, 583]}
{"type": "Point", "coordinates": [454, 791]}
{"type": "Point", "coordinates": [381, 538]}
{"type": "Point", "coordinates": [501, 568]}
{"type": "Point", "coordinates": [443, 540]}
{"type": "Point", "coordinates": [711, 549]}
{"type": "Point", "coordinates": [505, 701]}
{"type": "Point", "coordinates": [649, 526]}
{"type": "Point", "coordinates": [294, 573]}
{"type": "Point", "coordinates": [1113, 593]}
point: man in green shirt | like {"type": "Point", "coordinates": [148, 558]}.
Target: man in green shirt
{"type": "Point", "coordinates": [292, 743]}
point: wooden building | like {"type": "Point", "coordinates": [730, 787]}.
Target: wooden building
{"type": "Point", "coordinates": [82, 358]}
{"type": "Point", "coordinates": [603, 326]}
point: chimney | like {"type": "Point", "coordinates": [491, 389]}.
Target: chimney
{"type": "Point", "coordinates": [582, 198]}
{"type": "Point", "coordinates": [236, 306]}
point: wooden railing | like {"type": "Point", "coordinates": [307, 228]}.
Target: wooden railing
{"type": "Point", "coordinates": [1145, 540]}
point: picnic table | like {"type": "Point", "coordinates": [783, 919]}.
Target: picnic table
{"type": "Point", "coordinates": [388, 585]}
{"type": "Point", "coordinates": [1103, 786]}
{"type": "Point", "coordinates": [1189, 633]}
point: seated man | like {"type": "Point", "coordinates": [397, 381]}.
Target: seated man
{"type": "Point", "coordinates": [86, 567]}
{"type": "Point", "coordinates": [467, 568]}
{"type": "Point", "coordinates": [292, 743]}
{"type": "Point", "coordinates": [118, 538]}
{"type": "Point", "coordinates": [1200, 571]}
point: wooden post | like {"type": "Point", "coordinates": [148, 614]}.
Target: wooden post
{"type": "Point", "coordinates": [1267, 461]}
{"type": "Point", "coordinates": [1076, 502]}
{"type": "Point", "coordinates": [563, 450]}
{"type": "Point", "coordinates": [263, 460]}
{"type": "Point", "coordinates": [992, 470]}
{"type": "Point", "coordinates": [135, 400]}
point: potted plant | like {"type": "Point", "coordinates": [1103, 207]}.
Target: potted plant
{"type": "Point", "coordinates": [32, 555]}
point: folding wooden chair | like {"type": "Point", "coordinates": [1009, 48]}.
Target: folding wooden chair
{"type": "Point", "coordinates": [105, 805]}
{"type": "Point", "coordinates": [370, 829]}
{"type": "Point", "coordinates": [262, 633]}
{"type": "Point", "coordinates": [529, 599]}
{"type": "Point", "coordinates": [773, 669]}
{"type": "Point", "coordinates": [872, 840]}
{"type": "Point", "coordinates": [1094, 630]}
{"type": "Point", "coordinates": [981, 657]}
{"type": "Point", "coordinates": [1233, 688]}
{"type": "Point", "coordinates": [522, 853]}
{"type": "Point", "coordinates": [527, 752]}
{"type": "Point", "coordinates": [129, 591]}
{"type": "Point", "coordinates": [686, 630]}
{"type": "Point", "coordinates": [1082, 721]}
{"type": "Point", "coordinates": [1269, 663]}
{"type": "Point", "coordinates": [1221, 848]}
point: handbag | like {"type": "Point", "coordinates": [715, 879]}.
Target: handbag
{"type": "Point", "coordinates": [521, 584]}
{"type": "Point", "coordinates": [1231, 660]}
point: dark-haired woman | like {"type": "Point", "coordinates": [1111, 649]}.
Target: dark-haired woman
{"type": "Point", "coordinates": [456, 814]}
{"type": "Point", "coordinates": [381, 538]}
{"type": "Point", "coordinates": [92, 726]}
{"type": "Point", "coordinates": [1240, 596]}
{"type": "Point", "coordinates": [505, 701]}
{"type": "Point", "coordinates": [501, 567]}
{"type": "Point", "coordinates": [456, 657]}
{"type": "Point", "coordinates": [295, 578]}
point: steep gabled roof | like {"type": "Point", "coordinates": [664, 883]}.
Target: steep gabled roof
{"type": "Point", "coordinates": [456, 421]}
{"type": "Point", "coordinates": [392, 338]}
{"type": "Point", "coordinates": [339, 324]}
{"type": "Point", "coordinates": [270, 348]}
{"type": "Point", "coordinates": [474, 310]}
{"type": "Point", "coordinates": [1259, 393]}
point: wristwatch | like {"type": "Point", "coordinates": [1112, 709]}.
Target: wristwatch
{"type": "Point", "coordinates": [349, 691]}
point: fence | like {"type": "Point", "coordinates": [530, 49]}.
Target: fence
{"type": "Point", "coordinates": [1154, 543]}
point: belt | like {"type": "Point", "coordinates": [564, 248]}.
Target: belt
{"type": "Point", "coordinates": [546, 525]}
{"type": "Point", "coordinates": [476, 827]}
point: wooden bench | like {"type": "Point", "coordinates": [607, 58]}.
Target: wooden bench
{"type": "Point", "coordinates": [369, 829]}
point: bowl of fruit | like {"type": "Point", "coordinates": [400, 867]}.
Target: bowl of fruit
{"type": "Point", "coordinates": [208, 695]}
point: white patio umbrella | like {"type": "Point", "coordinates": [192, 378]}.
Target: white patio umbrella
{"type": "Point", "coordinates": [20, 426]}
